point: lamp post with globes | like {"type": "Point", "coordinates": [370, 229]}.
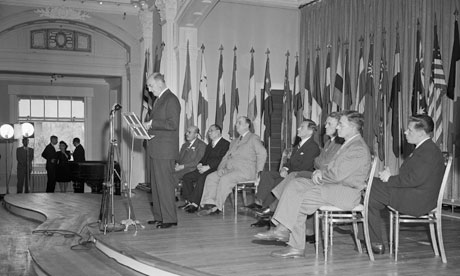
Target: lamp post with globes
{"type": "Point", "coordinates": [7, 133]}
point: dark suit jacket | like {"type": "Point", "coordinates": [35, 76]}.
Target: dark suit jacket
{"type": "Point", "coordinates": [24, 157]}
{"type": "Point", "coordinates": [189, 156]}
{"type": "Point", "coordinates": [79, 154]}
{"type": "Point", "coordinates": [414, 191]}
{"type": "Point", "coordinates": [49, 153]}
{"type": "Point", "coordinates": [302, 158]}
{"type": "Point", "coordinates": [213, 156]}
{"type": "Point", "coordinates": [165, 126]}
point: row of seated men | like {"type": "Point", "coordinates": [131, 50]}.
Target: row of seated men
{"type": "Point", "coordinates": [311, 178]}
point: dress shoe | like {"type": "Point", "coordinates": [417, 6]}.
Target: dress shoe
{"type": "Point", "coordinates": [184, 205]}
{"type": "Point", "coordinates": [261, 223]}
{"type": "Point", "coordinates": [310, 239]}
{"type": "Point", "coordinates": [191, 209]}
{"type": "Point", "coordinates": [378, 248]}
{"type": "Point", "coordinates": [216, 212]}
{"type": "Point", "coordinates": [263, 212]}
{"type": "Point", "coordinates": [273, 235]}
{"type": "Point", "coordinates": [204, 212]}
{"type": "Point", "coordinates": [288, 252]}
{"type": "Point", "coordinates": [154, 222]}
{"type": "Point", "coordinates": [254, 206]}
{"type": "Point", "coordinates": [166, 225]}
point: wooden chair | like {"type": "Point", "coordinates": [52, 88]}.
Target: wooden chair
{"type": "Point", "coordinates": [433, 217]}
{"type": "Point", "coordinates": [332, 214]}
{"type": "Point", "coordinates": [244, 186]}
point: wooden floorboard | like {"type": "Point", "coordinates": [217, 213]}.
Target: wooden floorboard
{"type": "Point", "coordinates": [223, 245]}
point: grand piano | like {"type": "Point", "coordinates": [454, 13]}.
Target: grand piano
{"type": "Point", "coordinates": [93, 173]}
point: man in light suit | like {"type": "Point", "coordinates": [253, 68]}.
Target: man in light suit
{"type": "Point", "coordinates": [193, 182]}
{"type": "Point", "coordinates": [338, 184]}
{"type": "Point", "coordinates": [243, 161]}
{"type": "Point", "coordinates": [190, 153]}
{"type": "Point", "coordinates": [414, 191]}
{"type": "Point", "coordinates": [163, 126]}
{"type": "Point", "coordinates": [24, 156]}
{"type": "Point", "coordinates": [301, 159]}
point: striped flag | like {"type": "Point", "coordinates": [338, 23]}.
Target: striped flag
{"type": "Point", "coordinates": [347, 96]}
{"type": "Point", "coordinates": [252, 100]}
{"type": "Point", "coordinates": [437, 90]}
{"type": "Point", "coordinates": [327, 92]}
{"type": "Point", "coordinates": [369, 105]}
{"type": "Point", "coordinates": [266, 109]}
{"type": "Point", "coordinates": [203, 95]}
{"type": "Point", "coordinates": [187, 93]}
{"type": "Point", "coordinates": [307, 100]}
{"type": "Point", "coordinates": [360, 91]}
{"type": "Point", "coordinates": [395, 102]}
{"type": "Point", "coordinates": [418, 102]}
{"type": "Point", "coordinates": [337, 95]}
{"type": "Point", "coordinates": [147, 96]}
{"type": "Point", "coordinates": [234, 100]}
{"type": "Point", "coordinates": [297, 101]}
{"type": "Point", "coordinates": [286, 123]}
{"type": "Point", "coordinates": [316, 101]}
{"type": "Point", "coordinates": [221, 108]}
{"type": "Point", "coordinates": [379, 121]}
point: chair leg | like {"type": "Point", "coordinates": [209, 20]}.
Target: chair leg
{"type": "Point", "coordinates": [367, 238]}
{"type": "Point", "coordinates": [434, 242]}
{"type": "Point", "coordinates": [396, 235]}
{"type": "Point", "coordinates": [326, 233]}
{"type": "Point", "coordinates": [355, 234]}
{"type": "Point", "coordinates": [236, 201]}
{"type": "Point", "coordinates": [440, 239]}
{"type": "Point", "coordinates": [245, 201]}
{"type": "Point", "coordinates": [392, 217]}
{"type": "Point", "coordinates": [317, 233]}
{"type": "Point", "coordinates": [331, 230]}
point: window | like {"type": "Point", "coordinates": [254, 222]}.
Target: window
{"type": "Point", "coordinates": [60, 116]}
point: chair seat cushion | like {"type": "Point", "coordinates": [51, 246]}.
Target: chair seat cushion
{"type": "Point", "coordinates": [358, 208]}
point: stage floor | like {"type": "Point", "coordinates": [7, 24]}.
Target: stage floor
{"type": "Point", "coordinates": [212, 245]}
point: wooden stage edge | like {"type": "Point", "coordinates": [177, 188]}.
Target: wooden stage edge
{"type": "Point", "coordinates": [212, 245]}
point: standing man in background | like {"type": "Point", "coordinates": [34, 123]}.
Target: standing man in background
{"type": "Point", "coordinates": [78, 156]}
{"type": "Point", "coordinates": [49, 153]}
{"type": "Point", "coordinates": [24, 155]}
{"type": "Point", "coordinates": [163, 126]}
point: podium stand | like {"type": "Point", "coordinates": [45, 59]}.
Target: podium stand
{"type": "Point", "coordinates": [138, 131]}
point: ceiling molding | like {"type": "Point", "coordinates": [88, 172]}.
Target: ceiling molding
{"type": "Point", "coordinates": [108, 6]}
{"type": "Point", "coordinates": [285, 4]}
{"type": "Point", "coordinates": [25, 78]}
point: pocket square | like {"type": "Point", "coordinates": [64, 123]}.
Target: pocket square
{"type": "Point", "coordinates": [301, 153]}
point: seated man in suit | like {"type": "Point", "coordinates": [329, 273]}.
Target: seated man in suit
{"type": "Point", "coordinates": [338, 184]}
{"type": "Point", "coordinates": [414, 191]}
{"type": "Point", "coordinates": [301, 159]}
{"type": "Point", "coordinates": [190, 153]}
{"type": "Point", "coordinates": [243, 161]}
{"type": "Point", "coordinates": [193, 182]}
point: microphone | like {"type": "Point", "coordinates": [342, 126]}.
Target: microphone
{"type": "Point", "coordinates": [115, 107]}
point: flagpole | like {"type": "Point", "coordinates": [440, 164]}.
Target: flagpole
{"type": "Point", "coordinates": [400, 103]}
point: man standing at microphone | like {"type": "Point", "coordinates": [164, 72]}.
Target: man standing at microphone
{"type": "Point", "coordinates": [163, 150]}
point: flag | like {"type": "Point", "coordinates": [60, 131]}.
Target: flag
{"type": "Point", "coordinates": [266, 109]}
{"type": "Point", "coordinates": [147, 96]}
{"type": "Point", "coordinates": [338, 84]}
{"type": "Point", "coordinates": [316, 101]}
{"type": "Point", "coordinates": [203, 95]}
{"type": "Point", "coordinates": [453, 64]}
{"type": "Point", "coordinates": [252, 99]}
{"type": "Point", "coordinates": [418, 102]}
{"type": "Point", "coordinates": [307, 100]}
{"type": "Point", "coordinates": [327, 92]}
{"type": "Point", "coordinates": [159, 64]}
{"type": "Point", "coordinates": [297, 101]}
{"type": "Point", "coordinates": [369, 105]}
{"type": "Point", "coordinates": [286, 123]}
{"type": "Point", "coordinates": [360, 91]}
{"type": "Point", "coordinates": [347, 96]}
{"type": "Point", "coordinates": [220, 100]}
{"type": "Point", "coordinates": [395, 102]}
{"type": "Point", "coordinates": [379, 122]}
{"type": "Point", "coordinates": [234, 101]}
{"type": "Point", "coordinates": [437, 90]}
{"type": "Point", "coordinates": [454, 128]}
{"type": "Point", "coordinates": [187, 93]}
